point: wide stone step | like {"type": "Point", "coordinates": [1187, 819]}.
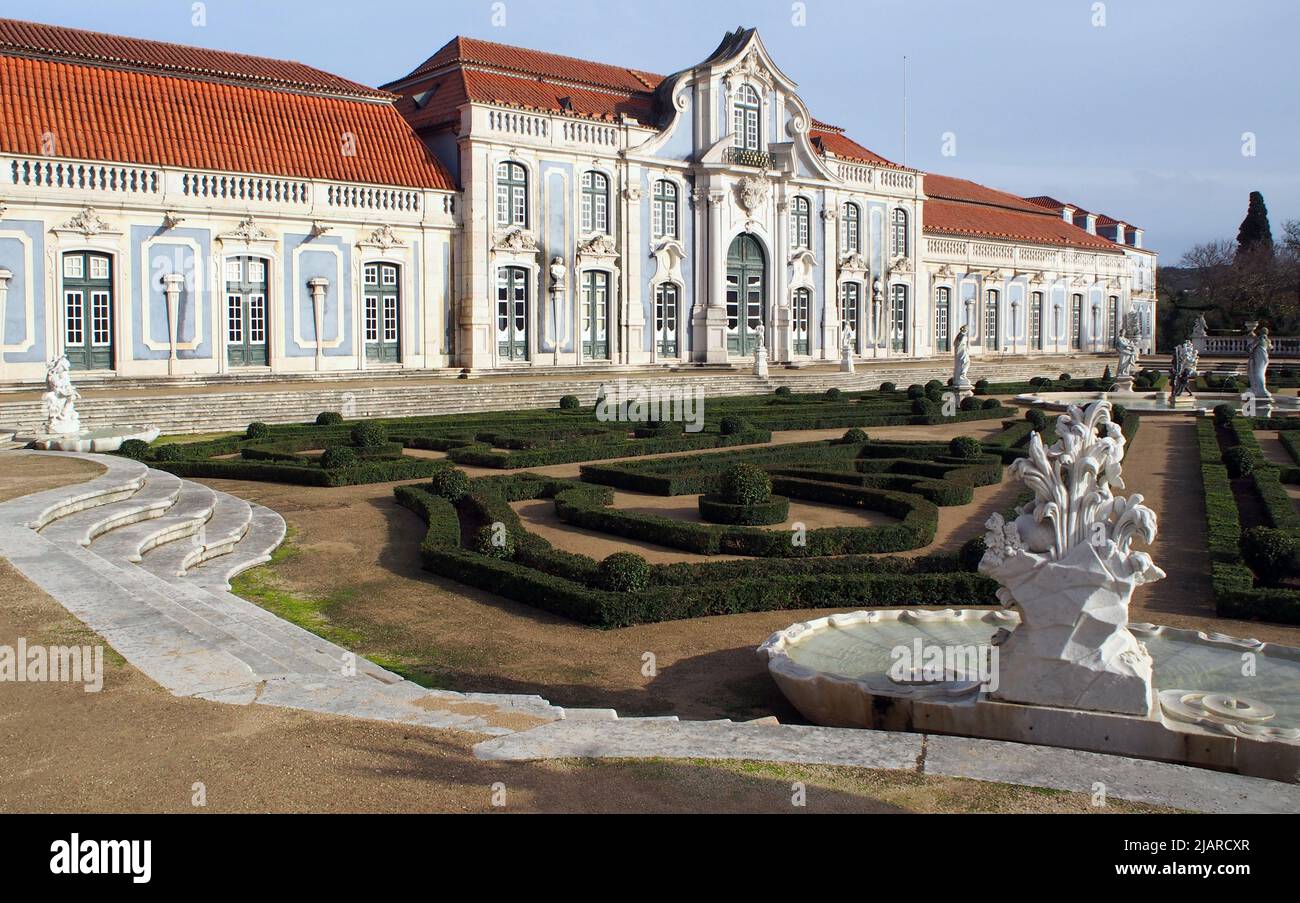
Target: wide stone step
{"type": "Point", "coordinates": [264, 536]}
{"type": "Point", "coordinates": [158, 494]}
{"type": "Point", "coordinates": [121, 480]}
{"type": "Point", "coordinates": [187, 517]}
{"type": "Point", "coordinates": [228, 524]}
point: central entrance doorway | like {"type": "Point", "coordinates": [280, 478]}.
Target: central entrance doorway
{"type": "Point", "coordinates": [746, 294]}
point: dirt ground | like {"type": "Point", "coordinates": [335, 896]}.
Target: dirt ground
{"type": "Point", "coordinates": [133, 747]}
{"type": "Point", "coordinates": [29, 474]}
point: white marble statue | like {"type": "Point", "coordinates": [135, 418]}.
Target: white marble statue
{"type": "Point", "coordinates": [1183, 370]}
{"type": "Point", "coordinates": [1067, 566]}
{"type": "Point", "coordinates": [760, 352]}
{"type": "Point", "coordinates": [1199, 328]}
{"type": "Point", "coordinates": [847, 343]}
{"type": "Point", "coordinates": [1260, 348]}
{"type": "Point", "coordinates": [1128, 355]}
{"type": "Point", "coordinates": [961, 359]}
{"type": "Point", "coordinates": [61, 417]}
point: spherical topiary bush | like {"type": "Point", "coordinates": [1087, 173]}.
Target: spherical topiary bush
{"type": "Point", "coordinates": [451, 483]}
{"type": "Point", "coordinates": [915, 391]}
{"type": "Point", "coordinates": [934, 385]}
{"type": "Point", "coordinates": [971, 552]}
{"type": "Point", "coordinates": [732, 425]}
{"type": "Point", "coordinates": [623, 572]}
{"type": "Point", "coordinates": [965, 447]}
{"type": "Point", "coordinates": [257, 430]}
{"type": "Point", "coordinates": [136, 449]}
{"type": "Point", "coordinates": [888, 387]}
{"type": "Point", "coordinates": [981, 386]}
{"type": "Point", "coordinates": [338, 456]}
{"type": "Point", "coordinates": [925, 407]}
{"type": "Point", "coordinates": [494, 541]}
{"type": "Point", "coordinates": [1037, 419]}
{"type": "Point", "coordinates": [1065, 377]}
{"type": "Point", "coordinates": [1223, 414]}
{"type": "Point", "coordinates": [970, 403]}
{"type": "Point", "coordinates": [669, 429]}
{"type": "Point", "coordinates": [369, 434]}
{"type": "Point", "coordinates": [168, 453]}
{"type": "Point", "coordinates": [855, 436]}
{"type": "Point", "coordinates": [834, 394]}
{"type": "Point", "coordinates": [570, 403]}
{"type": "Point", "coordinates": [1239, 462]}
{"type": "Point", "coordinates": [329, 418]}
{"type": "Point", "coordinates": [1230, 385]}
{"type": "Point", "coordinates": [934, 391]}
{"type": "Point", "coordinates": [991, 404]}
{"type": "Point", "coordinates": [746, 484]}
{"type": "Point", "coordinates": [784, 391]}
{"type": "Point", "coordinates": [1270, 553]}
{"type": "Point", "coordinates": [1118, 414]}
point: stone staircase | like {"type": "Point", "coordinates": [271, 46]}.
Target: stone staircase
{"type": "Point", "coordinates": [228, 407]}
{"type": "Point", "coordinates": [145, 560]}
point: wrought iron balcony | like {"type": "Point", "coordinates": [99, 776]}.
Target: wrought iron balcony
{"type": "Point", "coordinates": [738, 156]}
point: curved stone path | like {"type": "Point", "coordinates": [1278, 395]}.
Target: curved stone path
{"type": "Point", "coordinates": [145, 559]}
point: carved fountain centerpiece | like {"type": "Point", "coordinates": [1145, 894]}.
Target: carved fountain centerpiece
{"type": "Point", "coordinates": [1066, 564]}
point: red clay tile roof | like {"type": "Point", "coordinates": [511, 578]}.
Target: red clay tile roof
{"type": "Point", "coordinates": [960, 207]}
{"type": "Point", "coordinates": [467, 69]}
{"type": "Point", "coordinates": [831, 140]}
{"type": "Point", "coordinates": [53, 41]}
{"type": "Point", "coordinates": [100, 112]}
{"type": "Point", "coordinates": [1048, 203]}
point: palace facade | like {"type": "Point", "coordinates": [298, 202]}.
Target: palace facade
{"type": "Point", "coordinates": [168, 211]}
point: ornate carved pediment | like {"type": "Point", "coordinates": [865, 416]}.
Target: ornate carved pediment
{"type": "Point", "coordinates": [945, 272]}
{"type": "Point", "coordinates": [516, 241]}
{"type": "Point", "coordinates": [248, 231]}
{"type": "Point", "coordinates": [633, 193]}
{"type": "Point", "coordinates": [854, 263]}
{"type": "Point", "coordinates": [752, 193]}
{"type": "Point", "coordinates": [668, 256]}
{"type": "Point", "coordinates": [1081, 282]}
{"type": "Point", "coordinates": [995, 275]}
{"type": "Point", "coordinates": [750, 68]}
{"type": "Point", "coordinates": [383, 238]}
{"type": "Point", "coordinates": [597, 246]}
{"type": "Point", "coordinates": [900, 266]}
{"type": "Point", "coordinates": [88, 222]}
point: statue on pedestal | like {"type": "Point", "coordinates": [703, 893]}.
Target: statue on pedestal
{"type": "Point", "coordinates": [847, 342]}
{"type": "Point", "coordinates": [760, 352]}
{"type": "Point", "coordinates": [61, 417]}
{"type": "Point", "coordinates": [1127, 346]}
{"type": "Point", "coordinates": [1182, 370]}
{"type": "Point", "coordinates": [1260, 348]}
{"type": "Point", "coordinates": [961, 360]}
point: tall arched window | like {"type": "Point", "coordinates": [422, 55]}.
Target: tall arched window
{"type": "Point", "coordinates": [246, 308]}
{"type": "Point", "coordinates": [1112, 320]}
{"type": "Point", "coordinates": [745, 119]}
{"type": "Point", "coordinates": [992, 304]}
{"type": "Point", "coordinates": [383, 312]}
{"type": "Point", "coordinates": [512, 195]}
{"type": "Point", "coordinates": [942, 318]}
{"type": "Point", "coordinates": [664, 210]}
{"type": "Point", "coordinates": [799, 319]}
{"type": "Point", "coordinates": [512, 313]}
{"type": "Point", "coordinates": [1036, 321]}
{"type": "Point", "coordinates": [595, 202]}
{"type": "Point", "coordinates": [898, 319]}
{"type": "Point", "coordinates": [667, 317]}
{"type": "Point", "coordinates": [898, 226]}
{"type": "Point", "coordinates": [850, 301]}
{"type": "Point", "coordinates": [1076, 322]}
{"type": "Point", "coordinates": [800, 222]}
{"type": "Point", "coordinates": [851, 228]}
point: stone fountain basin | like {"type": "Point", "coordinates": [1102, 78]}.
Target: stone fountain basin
{"type": "Point", "coordinates": [1153, 402]}
{"type": "Point", "coordinates": [107, 439]}
{"type": "Point", "coordinates": [835, 671]}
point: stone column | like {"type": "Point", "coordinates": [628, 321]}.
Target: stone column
{"type": "Point", "coordinates": [710, 323]}
{"type": "Point", "coordinates": [318, 287]}
{"type": "Point", "coordinates": [5, 276]}
{"type": "Point", "coordinates": [173, 284]}
{"type": "Point", "coordinates": [830, 282]}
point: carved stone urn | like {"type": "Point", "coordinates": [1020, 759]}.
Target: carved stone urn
{"type": "Point", "coordinates": [1067, 566]}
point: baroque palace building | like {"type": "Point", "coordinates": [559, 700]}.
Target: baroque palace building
{"type": "Point", "coordinates": [168, 211]}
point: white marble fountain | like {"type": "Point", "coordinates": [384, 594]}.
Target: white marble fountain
{"type": "Point", "coordinates": [63, 430]}
{"type": "Point", "coordinates": [1061, 665]}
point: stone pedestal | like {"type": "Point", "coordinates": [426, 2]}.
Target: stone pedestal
{"type": "Point", "coordinates": [846, 362]}
{"type": "Point", "coordinates": [963, 390]}
{"type": "Point", "coordinates": [760, 362]}
{"type": "Point", "coordinates": [1123, 384]}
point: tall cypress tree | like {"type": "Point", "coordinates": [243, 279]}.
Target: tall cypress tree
{"type": "Point", "coordinates": [1255, 233]}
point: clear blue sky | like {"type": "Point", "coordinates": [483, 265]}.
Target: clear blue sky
{"type": "Point", "coordinates": [1142, 118]}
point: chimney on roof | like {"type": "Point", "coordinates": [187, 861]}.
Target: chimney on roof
{"type": "Point", "coordinates": [1067, 213]}
{"type": "Point", "coordinates": [1120, 234]}
{"type": "Point", "coordinates": [1137, 237]}
{"type": "Point", "coordinates": [1091, 223]}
